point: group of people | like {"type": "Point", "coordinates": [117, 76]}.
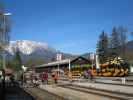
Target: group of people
{"type": "Point", "coordinates": [55, 76]}
{"type": "Point", "coordinates": [88, 74]}
{"type": "Point", "coordinates": [42, 78]}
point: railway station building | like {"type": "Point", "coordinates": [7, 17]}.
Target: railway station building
{"type": "Point", "coordinates": [67, 64]}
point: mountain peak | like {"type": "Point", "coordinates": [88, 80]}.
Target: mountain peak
{"type": "Point", "coordinates": [27, 47]}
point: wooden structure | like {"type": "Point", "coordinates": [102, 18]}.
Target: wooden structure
{"type": "Point", "coordinates": [76, 65]}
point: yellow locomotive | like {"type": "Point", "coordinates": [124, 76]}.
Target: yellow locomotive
{"type": "Point", "coordinates": [115, 67]}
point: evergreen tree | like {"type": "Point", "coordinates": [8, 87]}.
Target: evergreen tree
{"type": "Point", "coordinates": [115, 42]}
{"type": "Point", "coordinates": [123, 40]}
{"type": "Point", "coordinates": [102, 47]}
{"type": "Point", "coordinates": [16, 63]}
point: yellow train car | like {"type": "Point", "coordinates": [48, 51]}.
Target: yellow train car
{"type": "Point", "coordinates": [114, 68]}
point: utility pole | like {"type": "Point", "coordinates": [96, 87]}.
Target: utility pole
{"type": "Point", "coordinates": [4, 41]}
{"type": "Point", "coordinates": [4, 37]}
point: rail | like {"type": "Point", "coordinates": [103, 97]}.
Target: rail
{"type": "Point", "coordinates": [101, 92]}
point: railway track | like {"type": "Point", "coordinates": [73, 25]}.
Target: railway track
{"type": "Point", "coordinates": [100, 92]}
{"type": "Point", "coordinates": [120, 84]}
{"type": "Point", "coordinates": [104, 81]}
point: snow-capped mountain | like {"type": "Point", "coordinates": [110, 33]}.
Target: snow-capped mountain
{"type": "Point", "coordinates": [33, 50]}
{"type": "Point", "coordinates": [27, 47]}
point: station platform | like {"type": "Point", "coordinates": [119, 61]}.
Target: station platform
{"type": "Point", "coordinates": [68, 94]}
{"type": "Point", "coordinates": [109, 87]}
{"type": "Point", "coordinates": [57, 92]}
{"type": "Point", "coordinates": [124, 81]}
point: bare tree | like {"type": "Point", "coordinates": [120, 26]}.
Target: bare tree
{"type": "Point", "coordinates": [123, 39]}
{"type": "Point", "coordinates": [115, 42]}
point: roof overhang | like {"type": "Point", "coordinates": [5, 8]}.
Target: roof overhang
{"type": "Point", "coordinates": [61, 62]}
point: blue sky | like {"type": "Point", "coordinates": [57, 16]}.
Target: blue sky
{"type": "Point", "coordinates": [72, 26]}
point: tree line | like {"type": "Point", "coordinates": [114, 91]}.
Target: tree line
{"type": "Point", "coordinates": [113, 45]}
{"type": "Point", "coordinates": [17, 61]}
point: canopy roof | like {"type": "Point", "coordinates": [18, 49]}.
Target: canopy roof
{"type": "Point", "coordinates": [78, 60]}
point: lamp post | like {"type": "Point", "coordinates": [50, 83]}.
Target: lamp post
{"type": "Point", "coordinates": [5, 38]}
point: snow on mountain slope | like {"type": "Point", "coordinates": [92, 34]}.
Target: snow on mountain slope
{"type": "Point", "coordinates": [27, 47]}
{"type": "Point", "coordinates": [34, 50]}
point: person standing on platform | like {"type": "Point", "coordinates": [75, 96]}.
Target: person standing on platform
{"type": "Point", "coordinates": [56, 78]}
{"type": "Point", "coordinates": [86, 74]}
{"type": "Point", "coordinates": [90, 74]}
{"type": "Point", "coordinates": [45, 77]}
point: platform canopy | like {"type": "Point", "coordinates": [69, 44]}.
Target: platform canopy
{"type": "Point", "coordinates": [66, 61]}
{"type": "Point", "coordinates": [78, 61]}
